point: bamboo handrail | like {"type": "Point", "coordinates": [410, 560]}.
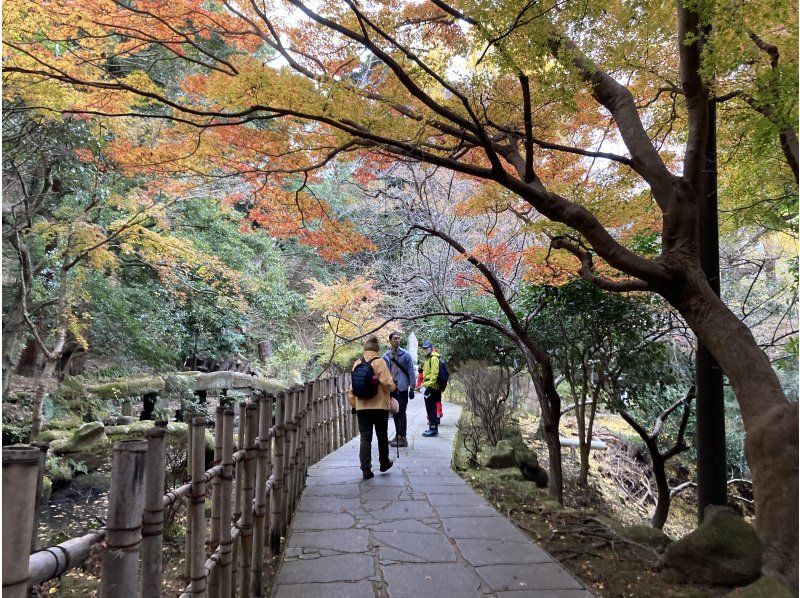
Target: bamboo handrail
{"type": "Point", "coordinates": [50, 562]}
{"type": "Point", "coordinates": [280, 437]}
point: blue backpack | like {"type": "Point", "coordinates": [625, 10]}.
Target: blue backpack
{"type": "Point", "coordinates": [443, 377]}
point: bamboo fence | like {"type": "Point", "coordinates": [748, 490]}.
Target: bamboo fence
{"type": "Point", "coordinates": [254, 491]}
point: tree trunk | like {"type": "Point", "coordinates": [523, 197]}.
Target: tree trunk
{"type": "Point", "coordinates": [771, 443]}
{"type": "Point", "coordinates": [37, 420]}
{"type": "Point", "coordinates": [12, 327]}
{"type": "Point", "coordinates": [583, 474]}
{"type": "Point", "coordinates": [664, 498]}
{"type": "Point", "coordinates": [583, 445]}
{"type": "Point", "coordinates": [550, 404]}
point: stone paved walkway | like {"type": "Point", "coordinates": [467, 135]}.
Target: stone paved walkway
{"type": "Point", "coordinates": [416, 531]}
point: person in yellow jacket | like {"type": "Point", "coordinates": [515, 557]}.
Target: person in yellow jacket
{"type": "Point", "coordinates": [373, 411]}
{"type": "Point", "coordinates": [430, 375]}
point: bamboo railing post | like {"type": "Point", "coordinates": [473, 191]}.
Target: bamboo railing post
{"type": "Point", "coordinates": [260, 504]}
{"type": "Point", "coordinates": [276, 496]}
{"type": "Point", "coordinates": [337, 401]}
{"type": "Point", "coordinates": [20, 472]}
{"type": "Point", "coordinates": [353, 416]}
{"type": "Point", "coordinates": [331, 420]}
{"type": "Point", "coordinates": [237, 495]}
{"type": "Point", "coordinates": [198, 511]}
{"type": "Point", "coordinates": [340, 410]}
{"type": "Point", "coordinates": [288, 452]}
{"type": "Point", "coordinates": [307, 421]}
{"type": "Point", "coordinates": [315, 441]}
{"type": "Point", "coordinates": [187, 539]}
{"type": "Point", "coordinates": [288, 434]}
{"type": "Point", "coordinates": [153, 513]}
{"type": "Point", "coordinates": [324, 423]}
{"type": "Point", "coordinates": [224, 576]}
{"type": "Point", "coordinates": [334, 416]}
{"type": "Point", "coordinates": [296, 442]}
{"type": "Point", "coordinates": [321, 419]}
{"type": "Point", "coordinates": [346, 419]}
{"type": "Point", "coordinates": [292, 472]}
{"type": "Point", "coordinates": [298, 451]}
{"type": "Point", "coordinates": [213, 580]}
{"type": "Point", "coordinates": [348, 429]}
{"type": "Point", "coordinates": [332, 402]}
{"type": "Point", "coordinates": [124, 520]}
{"type": "Point", "coordinates": [245, 524]}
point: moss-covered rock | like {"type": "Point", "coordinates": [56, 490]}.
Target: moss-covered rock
{"type": "Point", "coordinates": [765, 587]}
{"type": "Point", "coordinates": [510, 473]}
{"type": "Point", "coordinates": [611, 524]}
{"type": "Point", "coordinates": [724, 550]}
{"type": "Point", "coordinates": [47, 489]}
{"type": "Point", "coordinates": [526, 457]}
{"type": "Point", "coordinates": [85, 437]}
{"type": "Point", "coordinates": [70, 423]}
{"type": "Point", "coordinates": [88, 444]}
{"type": "Point", "coordinates": [649, 536]}
{"type": "Point", "coordinates": [177, 433]}
{"type": "Point", "coordinates": [551, 505]}
{"type": "Point", "coordinates": [528, 463]}
{"type": "Point", "coordinates": [51, 435]}
{"type": "Point", "coordinates": [501, 456]}
{"type": "Point", "coordinates": [94, 480]}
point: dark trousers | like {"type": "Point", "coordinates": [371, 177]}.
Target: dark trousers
{"type": "Point", "coordinates": [434, 396]}
{"type": "Point", "coordinates": [400, 417]}
{"type": "Point", "coordinates": [367, 418]}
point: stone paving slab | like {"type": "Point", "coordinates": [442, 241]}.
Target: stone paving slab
{"type": "Point", "coordinates": [417, 530]}
{"type": "Point", "coordinates": [541, 576]}
{"type": "Point", "coordinates": [546, 594]}
{"type": "Point", "coordinates": [361, 589]}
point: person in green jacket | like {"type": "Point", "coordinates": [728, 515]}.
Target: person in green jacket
{"type": "Point", "coordinates": [430, 375]}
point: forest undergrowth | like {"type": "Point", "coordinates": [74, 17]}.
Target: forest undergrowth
{"type": "Point", "coordinates": [580, 536]}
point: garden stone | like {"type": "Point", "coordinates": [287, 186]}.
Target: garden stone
{"type": "Point", "coordinates": [724, 550]}
{"type": "Point", "coordinates": [51, 435]}
{"type": "Point", "coordinates": [765, 587]}
{"type": "Point", "coordinates": [88, 435]}
{"type": "Point", "coordinates": [527, 457]}
{"type": "Point", "coordinates": [649, 536]}
{"type": "Point", "coordinates": [501, 456]}
{"type": "Point", "coordinates": [510, 473]}
{"type": "Point", "coordinates": [47, 489]}
{"type": "Point", "coordinates": [94, 480]}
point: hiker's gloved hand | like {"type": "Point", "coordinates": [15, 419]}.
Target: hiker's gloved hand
{"type": "Point", "coordinates": [410, 393]}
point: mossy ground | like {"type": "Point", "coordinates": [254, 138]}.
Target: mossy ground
{"type": "Point", "coordinates": [612, 568]}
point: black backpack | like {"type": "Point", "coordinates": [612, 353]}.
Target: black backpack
{"type": "Point", "coordinates": [362, 379]}
{"type": "Point", "coordinates": [443, 377]}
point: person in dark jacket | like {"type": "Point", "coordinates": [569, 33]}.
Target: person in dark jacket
{"type": "Point", "coordinates": [401, 366]}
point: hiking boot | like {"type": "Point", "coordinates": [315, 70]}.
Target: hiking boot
{"type": "Point", "coordinates": [386, 465]}
{"type": "Point", "coordinates": [431, 433]}
{"type": "Point", "coordinates": [367, 473]}
{"type": "Point", "coordinates": [398, 441]}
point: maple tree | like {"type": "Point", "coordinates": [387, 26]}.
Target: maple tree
{"type": "Point", "coordinates": [70, 222]}
{"type": "Point", "coordinates": [528, 98]}
{"type": "Point", "coordinates": [350, 308]}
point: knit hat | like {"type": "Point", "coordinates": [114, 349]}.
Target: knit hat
{"type": "Point", "coordinates": [371, 344]}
